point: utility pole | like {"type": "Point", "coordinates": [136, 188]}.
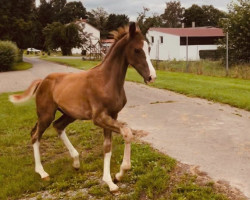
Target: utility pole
{"type": "Point", "coordinates": [227, 69]}
{"type": "Point", "coordinates": [227, 53]}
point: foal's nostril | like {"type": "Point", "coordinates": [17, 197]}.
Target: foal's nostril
{"type": "Point", "coordinates": [150, 78]}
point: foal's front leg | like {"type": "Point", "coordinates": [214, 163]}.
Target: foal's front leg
{"type": "Point", "coordinates": [107, 146]}
{"type": "Point", "coordinates": [109, 124]}
{"type": "Point", "coordinates": [126, 163]}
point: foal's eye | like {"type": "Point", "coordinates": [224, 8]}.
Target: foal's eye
{"type": "Point", "coordinates": [137, 50]}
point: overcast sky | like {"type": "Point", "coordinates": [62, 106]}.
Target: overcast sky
{"type": "Point", "coordinates": [133, 7]}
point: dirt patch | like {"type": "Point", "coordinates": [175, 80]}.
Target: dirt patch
{"type": "Point", "coordinates": [203, 179]}
{"type": "Point", "coordinates": [156, 102]}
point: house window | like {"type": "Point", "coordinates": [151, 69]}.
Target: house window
{"type": "Point", "coordinates": [152, 39]}
{"type": "Point", "coordinates": [161, 39]}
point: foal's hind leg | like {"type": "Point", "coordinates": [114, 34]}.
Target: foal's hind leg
{"type": "Point", "coordinates": [60, 125]}
{"type": "Point", "coordinates": [36, 134]}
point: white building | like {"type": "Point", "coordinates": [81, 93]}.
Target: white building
{"type": "Point", "coordinates": [179, 43]}
{"type": "Point", "coordinates": [92, 36]}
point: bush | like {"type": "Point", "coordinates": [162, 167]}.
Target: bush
{"type": "Point", "coordinates": [8, 55]}
{"type": "Point", "coordinates": [19, 56]}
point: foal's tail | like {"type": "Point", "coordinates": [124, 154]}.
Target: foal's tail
{"type": "Point", "coordinates": [27, 94]}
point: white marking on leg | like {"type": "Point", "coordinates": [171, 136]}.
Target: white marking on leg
{"type": "Point", "coordinates": [106, 173]}
{"type": "Point", "coordinates": [73, 152]}
{"type": "Point", "coordinates": [151, 67]}
{"type": "Point", "coordinates": [38, 165]}
{"type": "Point", "coordinates": [126, 163]}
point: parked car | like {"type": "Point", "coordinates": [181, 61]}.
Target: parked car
{"type": "Point", "coordinates": [33, 50]}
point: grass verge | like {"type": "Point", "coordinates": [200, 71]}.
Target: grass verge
{"type": "Point", "coordinates": [21, 66]}
{"type": "Point", "coordinates": [77, 63]}
{"type": "Point", "coordinates": [235, 92]}
{"type": "Point", "coordinates": [153, 175]}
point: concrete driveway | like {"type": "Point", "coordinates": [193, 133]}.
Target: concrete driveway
{"type": "Point", "coordinates": [213, 136]}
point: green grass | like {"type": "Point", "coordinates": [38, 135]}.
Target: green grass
{"type": "Point", "coordinates": [21, 66]}
{"type": "Point", "coordinates": [205, 67]}
{"type": "Point", "coordinates": [77, 63]}
{"type": "Point", "coordinates": [152, 175]}
{"type": "Point", "coordinates": [235, 92]}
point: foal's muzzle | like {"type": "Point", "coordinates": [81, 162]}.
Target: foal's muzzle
{"type": "Point", "coordinates": [151, 79]}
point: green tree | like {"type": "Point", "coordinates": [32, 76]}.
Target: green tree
{"type": "Point", "coordinates": [115, 21]}
{"type": "Point", "coordinates": [71, 12]}
{"type": "Point", "coordinates": [98, 18]}
{"type": "Point", "coordinates": [173, 14]}
{"type": "Point", "coordinates": [237, 24]}
{"type": "Point", "coordinates": [206, 15]}
{"type": "Point", "coordinates": [145, 22]}
{"type": "Point", "coordinates": [16, 21]}
{"type": "Point", "coordinates": [45, 13]}
{"type": "Point", "coordinates": [193, 14]}
{"type": "Point", "coordinates": [62, 36]}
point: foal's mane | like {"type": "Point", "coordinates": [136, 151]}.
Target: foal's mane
{"type": "Point", "coordinates": [118, 35]}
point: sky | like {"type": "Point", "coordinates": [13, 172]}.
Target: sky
{"type": "Point", "coordinates": [133, 7]}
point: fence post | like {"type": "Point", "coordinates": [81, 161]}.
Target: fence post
{"type": "Point", "coordinates": [186, 53]}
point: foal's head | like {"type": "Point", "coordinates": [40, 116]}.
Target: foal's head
{"type": "Point", "coordinates": [137, 52]}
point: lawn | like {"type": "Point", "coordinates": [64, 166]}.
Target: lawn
{"type": "Point", "coordinates": [153, 175]}
{"type": "Point", "coordinates": [20, 66]}
{"type": "Point", "coordinates": [205, 67]}
{"type": "Point", "coordinates": [232, 91]}
{"type": "Point", "coordinates": [77, 63]}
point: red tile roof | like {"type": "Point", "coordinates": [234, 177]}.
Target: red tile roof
{"type": "Point", "coordinates": [191, 32]}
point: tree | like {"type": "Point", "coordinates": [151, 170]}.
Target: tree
{"type": "Point", "coordinates": [62, 36]}
{"type": "Point", "coordinates": [16, 21]}
{"type": "Point", "coordinates": [45, 13]}
{"type": "Point", "coordinates": [237, 25]}
{"type": "Point", "coordinates": [202, 16]}
{"type": "Point", "coordinates": [71, 11]}
{"type": "Point", "coordinates": [58, 5]}
{"type": "Point", "coordinates": [98, 18]}
{"type": "Point", "coordinates": [115, 21]}
{"type": "Point", "coordinates": [212, 15]}
{"type": "Point", "coordinates": [194, 14]}
{"type": "Point", "coordinates": [145, 22]}
{"type": "Point", "coordinates": [173, 14]}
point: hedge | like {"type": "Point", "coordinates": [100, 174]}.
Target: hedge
{"type": "Point", "coordinates": [8, 55]}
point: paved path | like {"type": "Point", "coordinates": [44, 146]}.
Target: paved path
{"type": "Point", "coordinates": [20, 80]}
{"type": "Point", "coordinates": [213, 136]}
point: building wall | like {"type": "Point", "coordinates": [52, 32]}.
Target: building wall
{"type": "Point", "coordinates": [168, 50]}
{"type": "Point", "coordinates": [171, 49]}
{"type": "Point", "coordinates": [193, 51]}
{"type": "Point", "coordinates": [95, 36]}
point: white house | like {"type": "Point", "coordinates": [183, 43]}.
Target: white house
{"type": "Point", "coordinates": [180, 43]}
{"type": "Point", "coordinates": [92, 36]}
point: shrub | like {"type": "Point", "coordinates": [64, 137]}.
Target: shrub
{"type": "Point", "coordinates": [8, 55]}
{"type": "Point", "coordinates": [19, 56]}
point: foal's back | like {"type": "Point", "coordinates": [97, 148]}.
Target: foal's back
{"type": "Point", "coordinates": [71, 93]}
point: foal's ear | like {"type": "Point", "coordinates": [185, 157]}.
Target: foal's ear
{"type": "Point", "coordinates": [132, 29]}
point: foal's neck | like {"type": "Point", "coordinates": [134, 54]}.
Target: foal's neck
{"type": "Point", "coordinates": [115, 66]}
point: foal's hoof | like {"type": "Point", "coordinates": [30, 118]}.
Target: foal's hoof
{"type": "Point", "coordinates": [47, 178]}
{"type": "Point", "coordinates": [76, 165]}
{"type": "Point", "coordinates": [116, 180]}
{"type": "Point", "coordinates": [114, 188]}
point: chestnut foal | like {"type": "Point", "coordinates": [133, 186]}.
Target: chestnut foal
{"type": "Point", "coordinates": [96, 94]}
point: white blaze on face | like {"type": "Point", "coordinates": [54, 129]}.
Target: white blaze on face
{"type": "Point", "coordinates": [151, 68]}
